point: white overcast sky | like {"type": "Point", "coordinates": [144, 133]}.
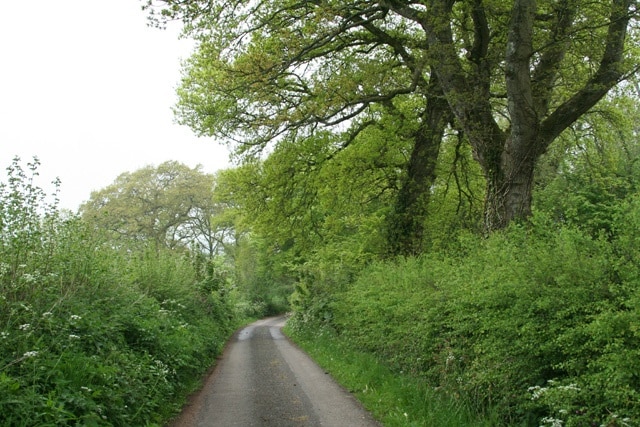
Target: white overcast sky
{"type": "Point", "coordinates": [87, 87]}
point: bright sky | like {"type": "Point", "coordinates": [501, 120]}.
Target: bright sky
{"type": "Point", "coordinates": [87, 87]}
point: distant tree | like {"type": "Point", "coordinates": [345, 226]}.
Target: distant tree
{"type": "Point", "coordinates": [170, 206]}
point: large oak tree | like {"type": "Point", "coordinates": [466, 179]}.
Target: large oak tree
{"type": "Point", "coordinates": [509, 75]}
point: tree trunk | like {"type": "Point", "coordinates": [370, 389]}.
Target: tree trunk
{"type": "Point", "coordinates": [509, 190]}
{"type": "Point", "coordinates": [405, 225]}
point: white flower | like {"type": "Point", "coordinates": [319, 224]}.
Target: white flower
{"type": "Point", "coordinates": [47, 314]}
{"type": "Point", "coordinates": [75, 317]}
{"type": "Point", "coordinates": [536, 391]}
{"type": "Point", "coordinates": [554, 422]}
{"type": "Point", "coordinates": [87, 389]}
{"type": "Point", "coordinates": [4, 268]}
{"type": "Point", "coordinates": [25, 327]}
{"type": "Point", "coordinates": [29, 354]}
{"type": "Point", "coordinates": [4, 335]}
{"type": "Point", "coordinates": [74, 337]}
{"type": "Point", "coordinates": [29, 278]}
{"type": "Point", "coordinates": [569, 387]}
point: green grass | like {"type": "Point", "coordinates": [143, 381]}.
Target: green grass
{"type": "Point", "coordinates": [395, 399]}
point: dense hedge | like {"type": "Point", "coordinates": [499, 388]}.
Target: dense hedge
{"type": "Point", "coordinates": [539, 323]}
{"type": "Point", "coordinates": [90, 334]}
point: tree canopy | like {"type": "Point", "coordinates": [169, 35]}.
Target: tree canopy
{"type": "Point", "coordinates": [170, 205]}
{"type": "Point", "coordinates": [509, 77]}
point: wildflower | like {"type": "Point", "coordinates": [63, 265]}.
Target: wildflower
{"type": "Point", "coordinates": [4, 268]}
{"type": "Point", "coordinates": [536, 391]}
{"type": "Point", "coordinates": [74, 337]}
{"type": "Point", "coordinates": [4, 335]}
{"type": "Point", "coordinates": [450, 359]}
{"type": "Point", "coordinates": [29, 354]}
{"type": "Point", "coordinates": [554, 422]}
{"type": "Point", "coordinates": [87, 389]}
{"type": "Point", "coordinates": [75, 317]}
{"type": "Point", "coordinates": [569, 387]}
{"type": "Point", "coordinates": [47, 314]}
{"type": "Point", "coordinates": [28, 278]}
{"type": "Point", "coordinates": [25, 327]}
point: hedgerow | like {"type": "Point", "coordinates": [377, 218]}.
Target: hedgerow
{"type": "Point", "coordinates": [538, 324]}
{"type": "Point", "coordinates": [91, 333]}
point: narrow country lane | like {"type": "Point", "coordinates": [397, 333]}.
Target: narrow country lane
{"type": "Point", "coordinates": [264, 380]}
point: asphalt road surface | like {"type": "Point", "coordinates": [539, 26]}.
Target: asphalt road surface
{"type": "Point", "coordinates": [263, 379]}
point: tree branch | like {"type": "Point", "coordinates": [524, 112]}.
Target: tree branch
{"type": "Point", "coordinates": [610, 72]}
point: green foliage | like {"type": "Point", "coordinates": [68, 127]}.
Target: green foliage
{"type": "Point", "coordinates": [263, 280]}
{"type": "Point", "coordinates": [530, 309]}
{"type": "Point", "coordinates": [536, 325]}
{"type": "Point", "coordinates": [90, 335]}
{"type": "Point", "coordinates": [595, 168]}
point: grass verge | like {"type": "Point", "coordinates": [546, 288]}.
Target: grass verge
{"type": "Point", "coordinates": [395, 399]}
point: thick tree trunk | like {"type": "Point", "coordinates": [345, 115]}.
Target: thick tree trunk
{"type": "Point", "coordinates": [405, 225]}
{"type": "Point", "coordinates": [405, 229]}
{"type": "Point", "coordinates": [509, 191]}
{"type": "Point", "coordinates": [509, 183]}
